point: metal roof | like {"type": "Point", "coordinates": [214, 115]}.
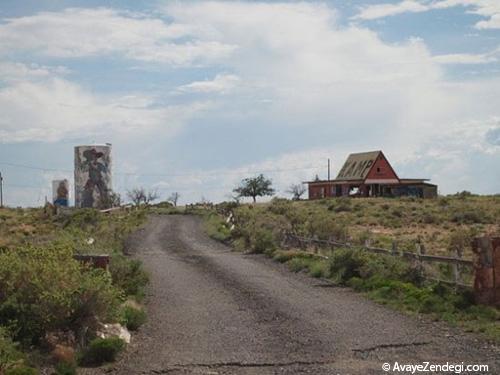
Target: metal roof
{"type": "Point", "coordinates": [357, 166]}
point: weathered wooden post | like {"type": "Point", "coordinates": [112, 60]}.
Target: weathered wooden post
{"type": "Point", "coordinates": [394, 248]}
{"type": "Point", "coordinates": [367, 243]}
{"type": "Point", "coordinates": [487, 270]}
{"type": "Point", "coordinates": [456, 267]}
{"type": "Point", "coordinates": [314, 244]}
{"type": "Point", "coordinates": [420, 250]}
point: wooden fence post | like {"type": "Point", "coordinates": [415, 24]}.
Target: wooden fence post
{"type": "Point", "coordinates": [420, 251]}
{"type": "Point", "coordinates": [394, 249]}
{"type": "Point", "coordinates": [487, 270]}
{"type": "Point", "coordinates": [456, 267]}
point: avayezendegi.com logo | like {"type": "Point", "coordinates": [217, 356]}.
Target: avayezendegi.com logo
{"type": "Point", "coordinates": [454, 368]}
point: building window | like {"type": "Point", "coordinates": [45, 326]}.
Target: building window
{"type": "Point", "coordinates": [378, 169]}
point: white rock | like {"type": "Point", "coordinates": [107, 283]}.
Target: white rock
{"type": "Point", "coordinates": [114, 330]}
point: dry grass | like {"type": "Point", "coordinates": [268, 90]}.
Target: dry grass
{"type": "Point", "coordinates": [433, 222]}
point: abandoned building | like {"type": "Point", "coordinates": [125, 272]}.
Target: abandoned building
{"type": "Point", "coordinates": [369, 174]}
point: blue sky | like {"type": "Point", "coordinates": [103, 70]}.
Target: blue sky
{"type": "Point", "coordinates": [196, 95]}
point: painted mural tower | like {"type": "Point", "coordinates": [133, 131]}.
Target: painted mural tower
{"type": "Point", "coordinates": [93, 182]}
{"type": "Point", "coordinates": [60, 193]}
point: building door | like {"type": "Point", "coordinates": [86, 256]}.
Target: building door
{"type": "Point", "coordinates": [338, 190]}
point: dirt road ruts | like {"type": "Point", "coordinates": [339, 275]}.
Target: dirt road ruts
{"type": "Point", "coordinates": [214, 311]}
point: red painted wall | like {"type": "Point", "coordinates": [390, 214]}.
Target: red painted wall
{"type": "Point", "coordinates": [315, 191]}
{"type": "Point", "coordinates": [381, 170]}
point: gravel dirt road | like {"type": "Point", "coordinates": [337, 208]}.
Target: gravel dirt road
{"type": "Point", "coordinates": [214, 311]}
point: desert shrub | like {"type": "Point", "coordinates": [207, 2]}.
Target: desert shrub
{"type": "Point", "coordinates": [65, 368]}
{"type": "Point", "coordinates": [464, 194]}
{"type": "Point", "coordinates": [102, 350]}
{"type": "Point", "coordinates": [397, 212]}
{"type": "Point", "coordinates": [227, 206]}
{"type": "Point", "coordinates": [346, 264]}
{"type": "Point", "coordinates": [44, 289]}
{"type": "Point", "coordinates": [10, 356]}
{"type": "Point", "coordinates": [325, 226]}
{"type": "Point", "coordinates": [389, 268]}
{"type": "Point", "coordinates": [283, 256]}
{"type": "Point", "coordinates": [82, 218]}
{"type": "Point", "coordinates": [133, 317]}
{"type": "Point", "coordinates": [297, 219]}
{"type": "Point", "coordinates": [298, 264]}
{"type": "Point", "coordinates": [343, 204]}
{"type": "Point", "coordinates": [163, 204]}
{"type": "Point", "coordinates": [279, 206]}
{"type": "Point", "coordinates": [216, 227]}
{"type": "Point", "coordinates": [468, 216]}
{"type": "Point", "coordinates": [258, 230]}
{"type": "Point", "coordinates": [364, 236]}
{"type": "Point", "coordinates": [262, 240]}
{"type": "Point", "coordinates": [21, 370]}
{"type": "Point", "coordinates": [443, 201]}
{"type": "Point", "coordinates": [129, 275]}
{"type": "Point", "coordinates": [429, 218]}
{"type": "Point", "coordinates": [318, 268]}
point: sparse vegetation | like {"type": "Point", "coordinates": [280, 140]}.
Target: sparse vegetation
{"type": "Point", "coordinates": [133, 317]}
{"type": "Point", "coordinates": [44, 290]}
{"type": "Point", "coordinates": [102, 351]}
{"type": "Point", "coordinates": [443, 226]}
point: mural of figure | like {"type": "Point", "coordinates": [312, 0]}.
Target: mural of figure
{"type": "Point", "coordinates": [93, 180]}
{"type": "Point", "coordinates": [62, 195]}
{"type": "Point", "coordinates": [96, 171]}
{"type": "Point", "coordinates": [60, 192]}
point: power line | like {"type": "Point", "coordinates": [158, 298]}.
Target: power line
{"type": "Point", "coordinates": [35, 168]}
{"type": "Point", "coordinates": [208, 174]}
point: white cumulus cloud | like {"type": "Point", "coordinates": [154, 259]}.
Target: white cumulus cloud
{"type": "Point", "coordinates": [222, 83]}
{"type": "Point", "coordinates": [489, 9]}
{"type": "Point", "coordinates": [78, 32]}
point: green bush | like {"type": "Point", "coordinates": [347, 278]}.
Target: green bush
{"type": "Point", "coordinates": [346, 264]}
{"type": "Point", "coordinates": [468, 216]}
{"type": "Point", "coordinates": [216, 228]}
{"type": "Point", "coordinates": [284, 256]}
{"type": "Point", "coordinates": [129, 275]}
{"type": "Point", "coordinates": [298, 264]}
{"type": "Point", "coordinates": [44, 289]}
{"type": "Point", "coordinates": [324, 226]}
{"type": "Point", "coordinates": [262, 241]}
{"type": "Point", "coordinates": [133, 317]}
{"type": "Point", "coordinates": [318, 268]}
{"type": "Point", "coordinates": [280, 206]}
{"type": "Point", "coordinates": [343, 204]}
{"type": "Point", "coordinates": [21, 370]}
{"type": "Point", "coordinates": [10, 356]}
{"type": "Point", "coordinates": [101, 351]}
{"type": "Point", "coordinates": [82, 218]}
{"type": "Point", "coordinates": [64, 368]}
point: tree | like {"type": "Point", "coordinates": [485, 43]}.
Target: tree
{"type": "Point", "coordinates": [174, 197]}
{"type": "Point", "coordinates": [297, 190]}
{"type": "Point", "coordinates": [140, 196]}
{"type": "Point", "coordinates": [112, 199]}
{"type": "Point", "coordinates": [254, 187]}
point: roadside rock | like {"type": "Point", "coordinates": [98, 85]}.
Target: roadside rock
{"type": "Point", "coordinates": [114, 330]}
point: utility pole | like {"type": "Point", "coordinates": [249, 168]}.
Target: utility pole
{"type": "Point", "coordinates": [328, 169]}
{"type": "Point", "coordinates": [1, 190]}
